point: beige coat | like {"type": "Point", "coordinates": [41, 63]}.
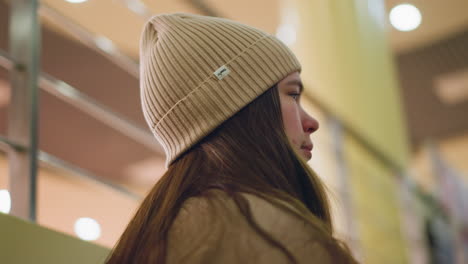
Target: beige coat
{"type": "Point", "coordinates": [214, 231]}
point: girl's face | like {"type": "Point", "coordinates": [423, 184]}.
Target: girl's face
{"type": "Point", "coordinates": [298, 124]}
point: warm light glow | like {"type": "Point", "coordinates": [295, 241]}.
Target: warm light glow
{"type": "Point", "coordinates": [287, 34]}
{"type": "Point", "coordinates": [287, 29]}
{"type": "Point", "coordinates": [5, 201]}
{"type": "Point", "coordinates": [76, 1]}
{"type": "Point", "coordinates": [137, 6]}
{"type": "Point", "coordinates": [405, 17]}
{"type": "Point", "coordinates": [105, 44]}
{"type": "Point", "coordinates": [87, 229]}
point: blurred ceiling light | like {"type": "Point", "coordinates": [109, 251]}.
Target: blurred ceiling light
{"type": "Point", "coordinates": [452, 88]}
{"type": "Point", "coordinates": [287, 34]}
{"type": "Point", "coordinates": [87, 229]}
{"type": "Point", "coordinates": [105, 44]}
{"type": "Point", "coordinates": [287, 30]}
{"type": "Point", "coordinates": [5, 201]}
{"type": "Point", "coordinates": [405, 17]}
{"type": "Point", "coordinates": [66, 89]}
{"type": "Point", "coordinates": [76, 1]}
{"type": "Point", "coordinates": [138, 7]}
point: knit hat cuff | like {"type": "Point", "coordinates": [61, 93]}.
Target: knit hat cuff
{"type": "Point", "coordinates": [253, 71]}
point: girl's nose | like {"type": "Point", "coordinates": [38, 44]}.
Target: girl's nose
{"type": "Point", "coordinates": [310, 124]}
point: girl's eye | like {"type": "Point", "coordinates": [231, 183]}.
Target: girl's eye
{"type": "Point", "coordinates": [295, 96]}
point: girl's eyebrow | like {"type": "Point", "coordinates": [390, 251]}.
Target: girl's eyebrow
{"type": "Point", "coordinates": [296, 82]}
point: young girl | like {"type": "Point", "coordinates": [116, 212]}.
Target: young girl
{"type": "Point", "coordinates": [223, 99]}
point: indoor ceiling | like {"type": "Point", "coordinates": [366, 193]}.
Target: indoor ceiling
{"type": "Point", "coordinates": [439, 20]}
{"type": "Point", "coordinates": [116, 20]}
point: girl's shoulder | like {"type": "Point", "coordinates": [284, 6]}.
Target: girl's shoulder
{"type": "Point", "coordinates": [219, 206]}
{"type": "Point", "coordinates": [213, 223]}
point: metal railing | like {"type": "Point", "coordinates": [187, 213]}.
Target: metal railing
{"type": "Point", "coordinates": [74, 97]}
{"type": "Point", "coordinates": [21, 141]}
{"type": "Point", "coordinates": [88, 105]}
{"type": "Point", "coordinates": [49, 161]}
{"type": "Point", "coordinates": [100, 44]}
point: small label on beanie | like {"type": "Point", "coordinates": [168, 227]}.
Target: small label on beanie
{"type": "Point", "coordinates": [222, 72]}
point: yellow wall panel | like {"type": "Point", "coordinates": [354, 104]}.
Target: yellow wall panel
{"type": "Point", "coordinates": [347, 66]}
{"type": "Point", "coordinates": [376, 206]}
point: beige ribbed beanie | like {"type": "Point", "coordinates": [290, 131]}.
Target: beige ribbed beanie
{"type": "Point", "coordinates": [198, 71]}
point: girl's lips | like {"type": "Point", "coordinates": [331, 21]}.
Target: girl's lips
{"type": "Point", "coordinates": [308, 147]}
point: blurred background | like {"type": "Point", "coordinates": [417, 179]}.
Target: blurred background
{"type": "Point", "coordinates": [387, 80]}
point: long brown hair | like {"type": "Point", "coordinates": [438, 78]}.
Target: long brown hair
{"type": "Point", "coordinates": [249, 153]}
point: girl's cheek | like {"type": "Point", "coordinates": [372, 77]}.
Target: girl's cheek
{"type": "Point", "coordinates": [294, 142]}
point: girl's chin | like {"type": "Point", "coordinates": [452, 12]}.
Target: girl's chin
{"type": "Point", "coordinates": [306, 154]}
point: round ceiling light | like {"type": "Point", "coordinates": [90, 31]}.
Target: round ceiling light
{"type": "Point", "coordinates": [87, 229]}
{"type": "Point", "coordinates": [405, 17]}
{"type": "Point", "coordinates": [76, 1]}
{"type": "Point", "coordinates": [5, 201]}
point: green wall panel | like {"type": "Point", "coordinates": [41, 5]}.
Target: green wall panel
{"type": "Point", "coordinates": [23, 242]}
